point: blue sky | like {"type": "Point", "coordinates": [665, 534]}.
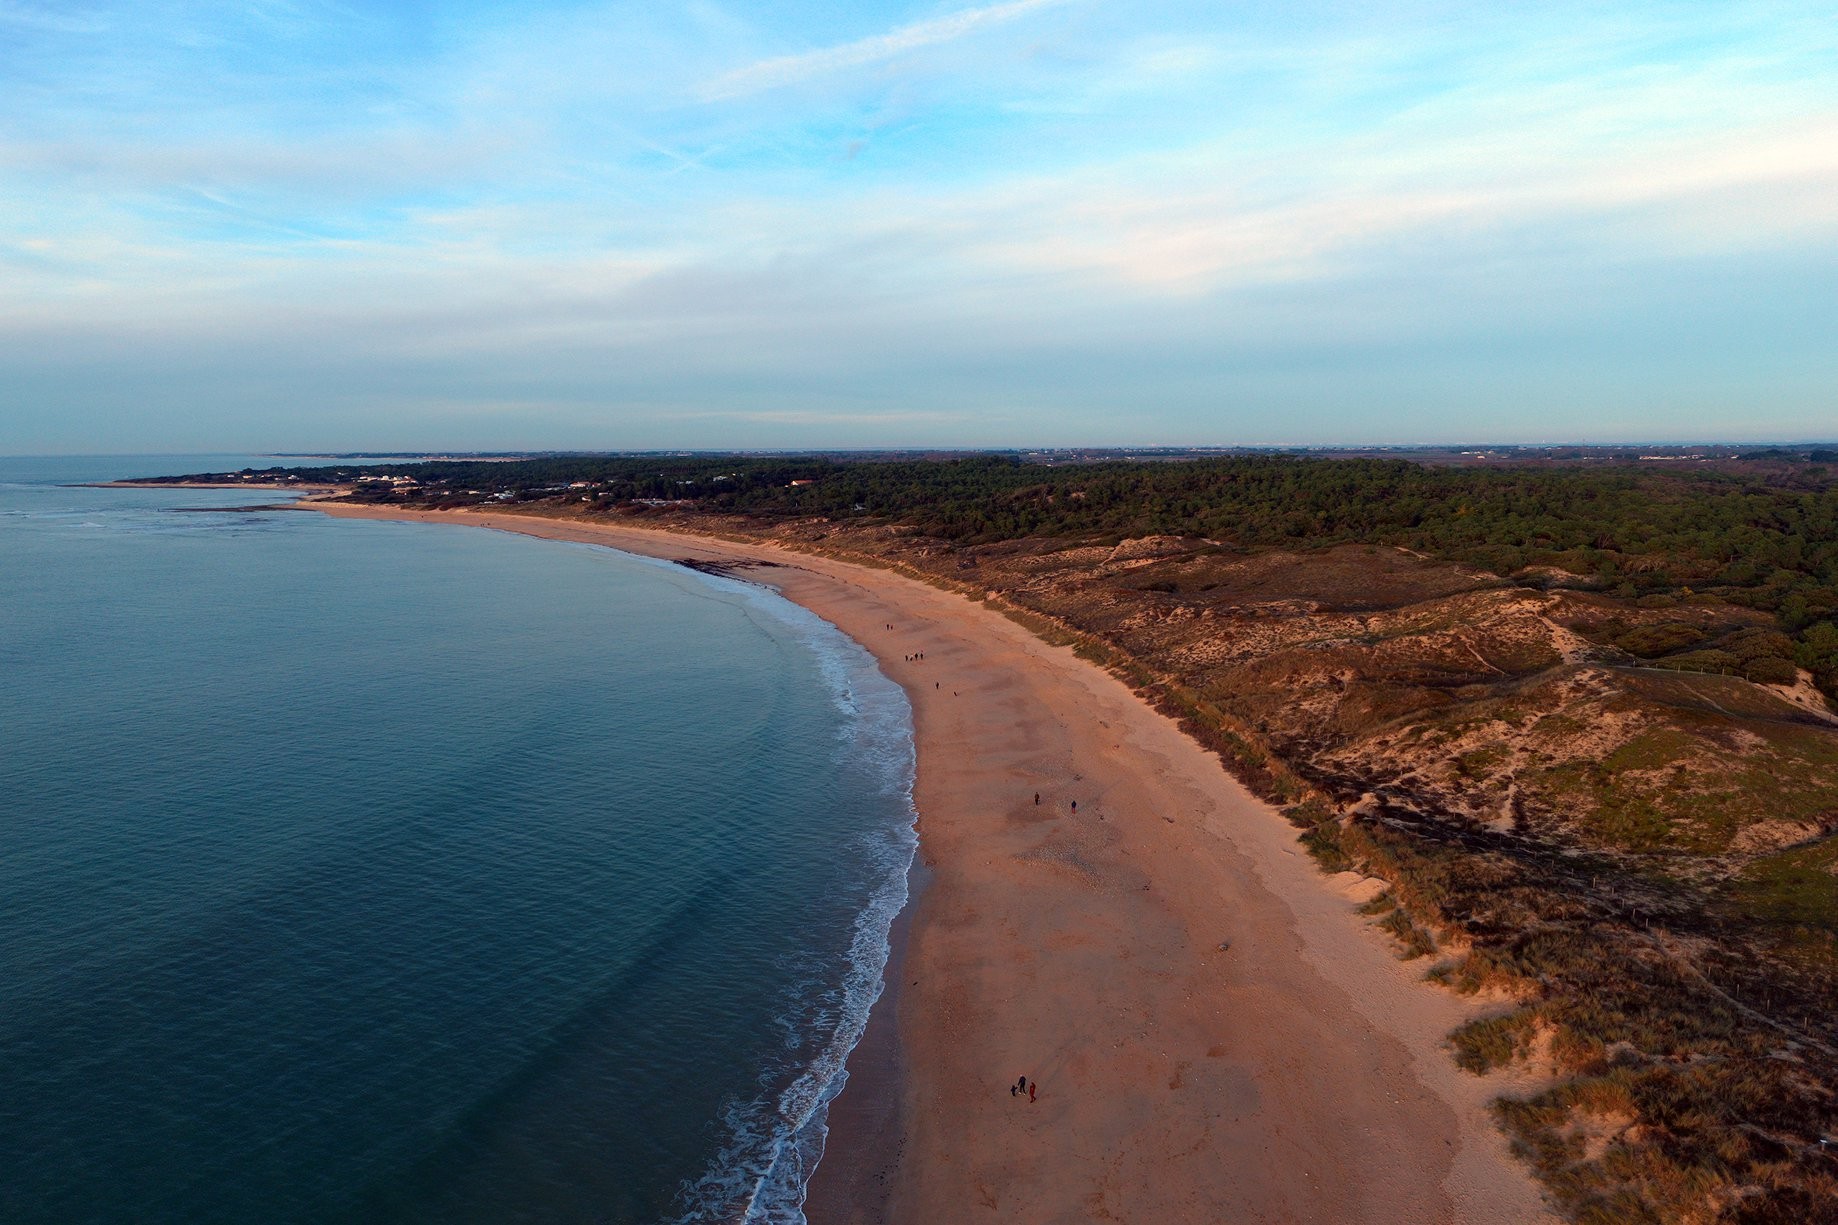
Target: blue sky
{"type": "Point", "coordinates": [293, 224]}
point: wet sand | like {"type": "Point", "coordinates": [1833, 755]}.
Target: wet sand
{"type": "Point", "coordinates": [1297, 1075]}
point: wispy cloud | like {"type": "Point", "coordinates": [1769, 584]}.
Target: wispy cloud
{"type": "Point", "coordinates": [793, 69]}
{"type": "Point", "coordinates": [46, 17]}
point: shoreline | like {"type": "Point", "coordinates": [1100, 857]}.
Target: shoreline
{"type": "Point", "coordinates": [1216, 1034]}
{"type": "Point", "coordinates": [853, 1181]}
{"type": "Point", "coordinates": [289, 486]}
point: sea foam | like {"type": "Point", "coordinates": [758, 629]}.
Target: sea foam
{"type": "Point", "coordinates": [774, 1141]}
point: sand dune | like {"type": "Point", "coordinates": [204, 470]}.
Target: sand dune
{"type": "Point", "coordinates": [1295, 1075]}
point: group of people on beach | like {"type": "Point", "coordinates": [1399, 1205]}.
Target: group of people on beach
{"type": "Point", "coordinates": [1023, 1087]}
{"type": "Point", "coordinates": [915, 658]}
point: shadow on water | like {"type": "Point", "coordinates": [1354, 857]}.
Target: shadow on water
{"type": "Point", "coordinates": [545, 1142]}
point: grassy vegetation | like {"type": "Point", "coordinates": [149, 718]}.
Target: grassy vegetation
{"type": "Point", "coordinates": [1797, 887]}
{"type": "Point", "coordinates": [1716, 1067]}
{"type": "Point", "coordinates": [1487, 1043]}
{"type": "Point", "coordinates": [1481, 763]}
{"type": "Point", "coordinates": [1414, 941]}
{"type": "Point", "coordinates": [1653, 794]}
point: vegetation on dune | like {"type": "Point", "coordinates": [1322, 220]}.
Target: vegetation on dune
{"type": "Point", "coordinates": [1686, 1020]}
{"type": "Point", "coordinates": [1690, 1087]}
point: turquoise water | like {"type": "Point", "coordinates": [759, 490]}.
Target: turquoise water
{"type": "Point", "coordinates": [395, 872]}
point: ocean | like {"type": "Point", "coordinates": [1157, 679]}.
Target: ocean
{"type": "Point", "coordinates": [364, 872]}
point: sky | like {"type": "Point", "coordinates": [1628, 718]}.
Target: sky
{"type": "Point", "coordinates": [306, 225]}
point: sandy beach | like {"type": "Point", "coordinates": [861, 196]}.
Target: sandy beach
{"type": "Point", "coordinates": [1216, 1035]}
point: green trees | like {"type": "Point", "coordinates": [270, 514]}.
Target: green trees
{"type": "Point", "coordinates": [1817, 652]}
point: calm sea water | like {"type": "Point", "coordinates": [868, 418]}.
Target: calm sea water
{"type": "Point", "coordinates": [392, 872]}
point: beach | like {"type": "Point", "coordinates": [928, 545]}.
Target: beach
{"type": "Point", "coordinates": [1214, 1032]}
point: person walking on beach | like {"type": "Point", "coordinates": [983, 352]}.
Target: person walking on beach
{"type": "Point", "coordinates": [1075, 806]}
{"type": "Point", "coordinates": [1037, 799]}
{"type": "Point", "coordinates": [1020, 1085]}
{"type": "Point", "coordinates": [1030, 1091]}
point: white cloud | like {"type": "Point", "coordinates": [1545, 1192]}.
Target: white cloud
{"type": "Point", "coordinates": [792, 69]}
{"type": "Point", "coordinates": [48, 17]}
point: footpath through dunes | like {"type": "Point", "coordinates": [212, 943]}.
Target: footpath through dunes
{"type": "Point", "coordinates": [1215, 1034]}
